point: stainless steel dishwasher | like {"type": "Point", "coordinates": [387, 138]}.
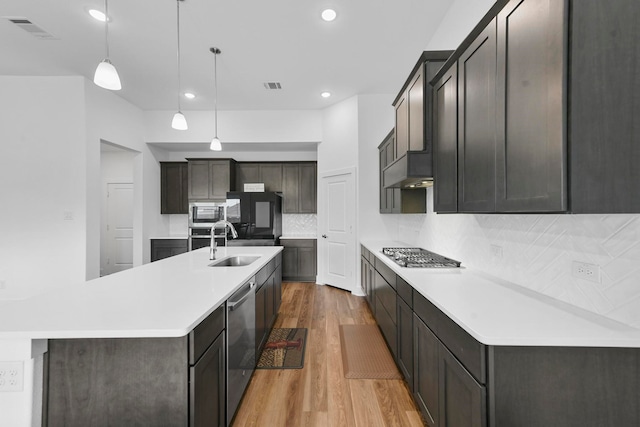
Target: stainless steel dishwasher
{"type": "Point", "coordinates": [241, 343]}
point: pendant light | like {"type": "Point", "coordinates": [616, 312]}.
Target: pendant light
{"type": "Point", "coordinates": [106, 75]}
{"type": "Point", "coordinates": [215, 142]}
{"type": "Point", "coordinates": [179, 122]}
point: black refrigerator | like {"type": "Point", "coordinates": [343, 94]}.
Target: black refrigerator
{"type": "Point", "coordinates": [255, 216]}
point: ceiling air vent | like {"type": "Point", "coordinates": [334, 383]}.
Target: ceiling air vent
{"type": "Point", "coordinates": [31, 28]}
{"type": "Point", "coordinates": [272, 85]}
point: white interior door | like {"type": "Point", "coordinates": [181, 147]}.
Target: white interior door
{"type": "Point", "coordinates": [338, 232]}
{"type": "Point", "coordinates": [119, 227]}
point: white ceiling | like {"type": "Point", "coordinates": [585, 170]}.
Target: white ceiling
{"type": "Point", "coordinates": [370, 48]}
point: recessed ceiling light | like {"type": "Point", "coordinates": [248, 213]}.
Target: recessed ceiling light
{"type": "Point", "coordinates": [325, 94]}
{"type": "Point", "coordinates": [98, 15]}
{"type": "Point", "coordinates": [328, 15]}
{"type": "Point", "coordinates": [189, 95]}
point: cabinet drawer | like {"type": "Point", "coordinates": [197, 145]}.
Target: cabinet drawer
{"type": "Point", "coordinates": [386, 272]}
{"type": "Point", "coordinates": [405, 291]}
{"type": "Point", "coordinates": [265, 272]}
{"type": "Point", "coordinates": [386, 295]}
{"type": "Point", "coordinates": [469, 352]}
{"type": "Point", "coordinates": [205, 333]}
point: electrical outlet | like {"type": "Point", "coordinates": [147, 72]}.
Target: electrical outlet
{"type": "Point", "coordinates": [11, 376]}
{"type": "Point", "coordinates": [586, 271]}
{"type": "Point", "coordinates": [496, 251]}
{"type": "Point", "coordinates": [3, 284]}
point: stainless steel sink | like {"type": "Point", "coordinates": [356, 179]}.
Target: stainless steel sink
{"type": "Point", "coordinates": [234, 261]}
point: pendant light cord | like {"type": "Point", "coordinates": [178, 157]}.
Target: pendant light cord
{"type": "Point", "coordinates": [106, 26]}
{"type": "Point", "coordinates": [215, 87]}
{"type": "Point", "coordinates": [178, 52]}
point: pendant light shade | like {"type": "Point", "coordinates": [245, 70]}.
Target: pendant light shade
{"type": "Point", "coordinates": [106, 75]}
{"type": "Point", "coordinates": [215, 142]}
{"type": "Point", "coordinates": [179, 121]}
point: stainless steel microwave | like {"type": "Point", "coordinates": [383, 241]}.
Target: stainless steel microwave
{"type": "Point", "coordinates": [205, 214]}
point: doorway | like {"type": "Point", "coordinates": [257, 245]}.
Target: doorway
{"type": "Point", "coordinates": [338, 229]}
{"type": "Point", "coordinates": [117, 212]}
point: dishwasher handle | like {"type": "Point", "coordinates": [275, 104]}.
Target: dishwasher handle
{"type": "Point", "coordinates": [233, 305]}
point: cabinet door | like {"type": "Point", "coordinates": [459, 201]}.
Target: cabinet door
{"type": "Point", "coordinates": [402, 127]}
{"type": "Point", "coordinates": [463, 401]}
{"type": "Point", "coordinates": [307, 188]}
{"type": "Point", "coordinates": [278, 288]}
{"type": "Point", "coordinates": [425, 371]}
{"type": "Point", "coordinates": [307, 262]}
{"type": "Point", "coordinates": [271, 176]}
{"type": "Point", "coordinates": [261, 320]}
{"type": "Point", "coordinates": [290, 188]}
{"type": "Point", "coordinates": [220, 179]}
{"type": "Point", "coordinates": [445, 142]}
{"type": "Point", "coordinates": [246, 173]}
{"type": "Point", "coordinates": [173, 188]}
{"type": "Point", "coordinates": [270, 302]}
{"type": "Point", "coordinates": [476, 124]}
{"type": "Point", "coordinates": [289, 262]}
{"type": "Point", "coordinates": [207, 387]}
{"type": "Point", "coordinates": [416, 113]}
{"type": "Point", "coordinates": [531, 113]}
{"type": "Point", "coordinates": [198, 172]}
{"type": "Point", "coordinates": [405, 340]}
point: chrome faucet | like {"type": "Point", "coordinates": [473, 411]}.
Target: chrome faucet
{"type": "Point", "coordinates": [213, 246]}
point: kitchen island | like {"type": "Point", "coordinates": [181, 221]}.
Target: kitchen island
{"type": "Point", "coordinates": [486, 352]}
{"type": "Point", "coordinates": [134, 335]}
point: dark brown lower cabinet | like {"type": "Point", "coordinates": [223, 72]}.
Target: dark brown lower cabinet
{"type": "Point", "coordinates": [139, 381]}
{"type": "Point", "coordinates": [404, 325]}
{"type": "Point", "coordinates": [425, 371]}
{"type": "Point", "coordinates": [268, 299]}
{"type": "Point", "coordinates": [299, 261]}
{"type": "Point", "coordinates": [165, 248]}
{"type": "Point", "coordinates": [462, 399]}
{"type": "Point", "coordinates": [207, 387]}
{"type": "Point", "coordinates": [458, 381]}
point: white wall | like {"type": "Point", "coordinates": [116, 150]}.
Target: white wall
{"type": "Point", "coordinates": [114, 120]}
{"type": "Point", "coordinates": [237, 126]}
{"type": "Point", "coordinates": [42, 181]}
{"type": "Point", "coordinates": [460, 19]}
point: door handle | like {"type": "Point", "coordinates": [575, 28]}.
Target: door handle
{"type": "Point", "coordinates": [324, 236]}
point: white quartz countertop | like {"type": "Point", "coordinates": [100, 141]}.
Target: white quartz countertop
{"type": "Point", "coordinates": [497, 312]}
{"type": "Point", "coordinates": [166, 298]}
{"type": "Point", "coordinates": [298, 237]}
{"type": "Point", "coordinates": [171, 237]}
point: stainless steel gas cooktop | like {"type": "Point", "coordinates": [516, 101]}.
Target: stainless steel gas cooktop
{"type": "Point", "coordinates": [419, 258]}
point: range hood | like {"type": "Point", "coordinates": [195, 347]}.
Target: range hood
{"type": "Point", "coordinates": [411, 171]}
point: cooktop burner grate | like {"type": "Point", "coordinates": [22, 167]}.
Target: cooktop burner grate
{"type": "Point", "coordinates": [419, 258]}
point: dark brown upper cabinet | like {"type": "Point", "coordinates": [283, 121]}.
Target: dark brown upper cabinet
{"type": "Point", "coordinates": [268, 173]}
{"type": "Point", "coordinates": [564, 108]}
{"type": "Point", "coordinates": [299, 187]}
{"type": "Point", "coordinates": [477, 124]}
{"type": "Point", "coordinates": [210, 179]}
{"type": "Point", "coordinates": [445, 143]}
{"type": "Point", "coordinates": [396, 199]}
{"type": "Point", "coordinates": [411, 162]}
{"type": "Point", "coordinates": [173, 188]}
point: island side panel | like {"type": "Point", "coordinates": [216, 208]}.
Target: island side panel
{"type": "Point", "coordinates": [564, 386]}
{"type": "Point", "coordinates": [119, 381]}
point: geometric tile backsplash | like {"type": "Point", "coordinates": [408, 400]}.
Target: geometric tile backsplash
{"type": "Point", "coordinates": [538, 252]}
{"type": "Point", "coordinates": [299, 225]}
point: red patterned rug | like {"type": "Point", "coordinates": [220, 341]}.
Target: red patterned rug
{"type": "Point", "coordinates": [284, 349]}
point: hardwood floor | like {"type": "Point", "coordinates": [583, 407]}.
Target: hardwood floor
{"type": "Point", "coordinates": [318, 394]}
